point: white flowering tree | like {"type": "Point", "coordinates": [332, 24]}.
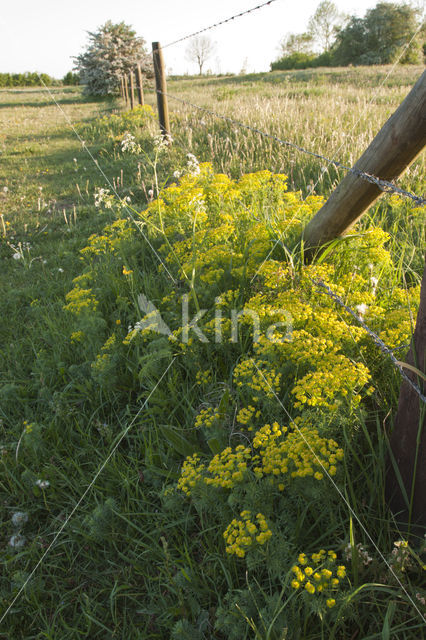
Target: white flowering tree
{"type": "Point", "coordinates": [113, 51]}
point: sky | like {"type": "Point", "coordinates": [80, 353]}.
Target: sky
{"type": "Point", "coordinates": [43, 35]}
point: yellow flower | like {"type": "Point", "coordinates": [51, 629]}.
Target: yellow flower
{"type": "Point", "coordinates": [330, 602]}
{"type": "Point", "coordinates": [127, 272]}
{"type": "Point", "coordinates": [310, 588]}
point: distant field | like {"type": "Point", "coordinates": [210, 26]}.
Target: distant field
{"type": "Point", "coordinates": [335, 112]}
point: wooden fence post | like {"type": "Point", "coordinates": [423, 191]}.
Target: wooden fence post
{"type": "Point", "coordinates": [408, 438]}
{"type": "Point", "coordinates": [397, 144]}
{"type": "Point", "coordinates": [132, 91]}
{"type": "Point", "coordinates": [122, 94]}
{"type": "Point", "coordinates": [126, 90]}
{"type": "Point", "coordinates": [140, 85]}
{"type": "Point", "coordinates": [161, 88]}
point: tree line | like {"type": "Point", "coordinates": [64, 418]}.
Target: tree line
{"type": "Point", "coordinates": [34, 79]}
{"type": "Point", "coordinates": [336, 39]}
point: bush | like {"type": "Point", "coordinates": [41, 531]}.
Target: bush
{"type": "Point", "coordinates": [294, 61]}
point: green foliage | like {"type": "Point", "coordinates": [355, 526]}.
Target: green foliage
{"type": "Point", "coordinates": [27, 79]}
{"type": "Point", "coordinates": [379, 37]}
{"type": "Point", "coordinates": [294, 61]}
{"type": "Point", "coordinates": [71, 79]}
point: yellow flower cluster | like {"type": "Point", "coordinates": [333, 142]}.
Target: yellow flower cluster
{"type": "Point", "coordinates": [296, 454]}
{"type": "Point", "coordinates": [321, 576]}
{"type": "Point", "coordinates": [80, 301]}
{"type": "Point", "coordinates": [258, 376]}
{"type": "Point", "coordinates": [191, 472]}
{"type": "Point", "coordinates": [336, 378]}
{"type": "Point", "coordinates": [240, 535]}
{"type": "Point", "coordinates": [245, 415]}
{"type": "Point", "coordinates": [228, 467]}
{"type": "Point", "coordinates": [203, 377]}
{"type": "Point", "coordinates": [300, 454]}
{"type": "Point", "coordinates": [77, 336]}
{"type": "Point", "coordinates": [207, 417]}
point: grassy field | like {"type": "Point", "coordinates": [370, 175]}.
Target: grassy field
{"type": "Point", "coordinates": [133, 503]}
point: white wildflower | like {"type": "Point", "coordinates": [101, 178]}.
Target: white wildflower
{"type": "Point", "coordinates": [17, 256]}
{"type": "Point", "coordinates": [19, 518]}
{"type": "Point", "coordinates": [17, 541]}
{"type": "Point", "coordinates": [361, 551]}
{"type": "Point", "coordinates": [161, 142]}
{"type": "Point", "coordinates": [5, 189]}
{"type": "Point", "coordinates": [103, 197]}
{"type": "Point", "coordinates": [362, 309]}
{"type": "Point", "coordinates": [60, 270]}
{"type": "Point", "coordinates": [177, 174]}
{"type": "Point", "coordinates": [192, 164]}
{"type": "Point", "coordinates": [129, 144]}
{"type": "Point", "coordinates": [42, 484]}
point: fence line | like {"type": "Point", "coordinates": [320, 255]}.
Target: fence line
{"type": "Point", "coordinates": [217, 24]}
{"type": "Point", "coordinates": [384, 185]}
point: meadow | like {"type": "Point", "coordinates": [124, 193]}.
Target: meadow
{"type": "Point", "coordinates": [156, 487]}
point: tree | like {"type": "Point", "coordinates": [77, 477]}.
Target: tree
{"type": "Point", "coordinates": [324, 24]}
{"type": "Point", "coordinates": [71, 78]}
{"type": "Point", "coordinates": [379, 37]}
{"type": "Point", "coordinates": [296, 43]}
{"type": "Point", "coordinates": [113, 51]}
{"type": "Point", "coordinates": [199, 50]}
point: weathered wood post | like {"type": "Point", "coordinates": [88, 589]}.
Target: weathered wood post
{"type": "Point", "coordinates": [126, 90]}
{"type": "Point", "coordinates": [140, 85]}
{"type": "Point", "coordinates": [132, 90]}
{"type": "Point", "coordinates": [122, 88]}
{"type": "Point", "coordinates": [397, 144]}
{"type": "Point", "coordinates": [408, 438]}
{"type": "Point", "coordinates": [161, 88]}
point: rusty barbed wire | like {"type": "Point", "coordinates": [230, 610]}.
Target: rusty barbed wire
{"type": "Point", "coordinates": [218, 24]}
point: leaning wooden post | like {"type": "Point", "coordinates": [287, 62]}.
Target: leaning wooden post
{"type": "Point", "coordinates": [132, 91]}
{"type": "Point", "coordinates": [126, 90]}
{"type": "Point", "coordinates": [161, 88]}
{"type": "Point", "coordinates": [122, 94]}
{"type": "Point", "coordinates": [140, 85]}
{"type": "Point", "coordinates": [397, 144]}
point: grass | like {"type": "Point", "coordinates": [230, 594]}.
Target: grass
{"type": "Point", "coordinates": [137, 559]}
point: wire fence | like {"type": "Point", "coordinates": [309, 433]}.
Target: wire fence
{"type": "Point", "coordinates": [218, 24]}
{"type": "Point", "coordinates": [383, 185]}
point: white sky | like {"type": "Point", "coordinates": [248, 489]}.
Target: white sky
{"type": "Point", "coordinates": [43, 35]}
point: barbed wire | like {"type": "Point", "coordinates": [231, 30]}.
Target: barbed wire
{"type": "Point", "coordinates": [381, 84]}
{"type": "Point", "coordinates": [383, 185]}
{"type": "Point", "coordinates": [218, 24]}
{"type": "Point", "coordinates": [378, 341]}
